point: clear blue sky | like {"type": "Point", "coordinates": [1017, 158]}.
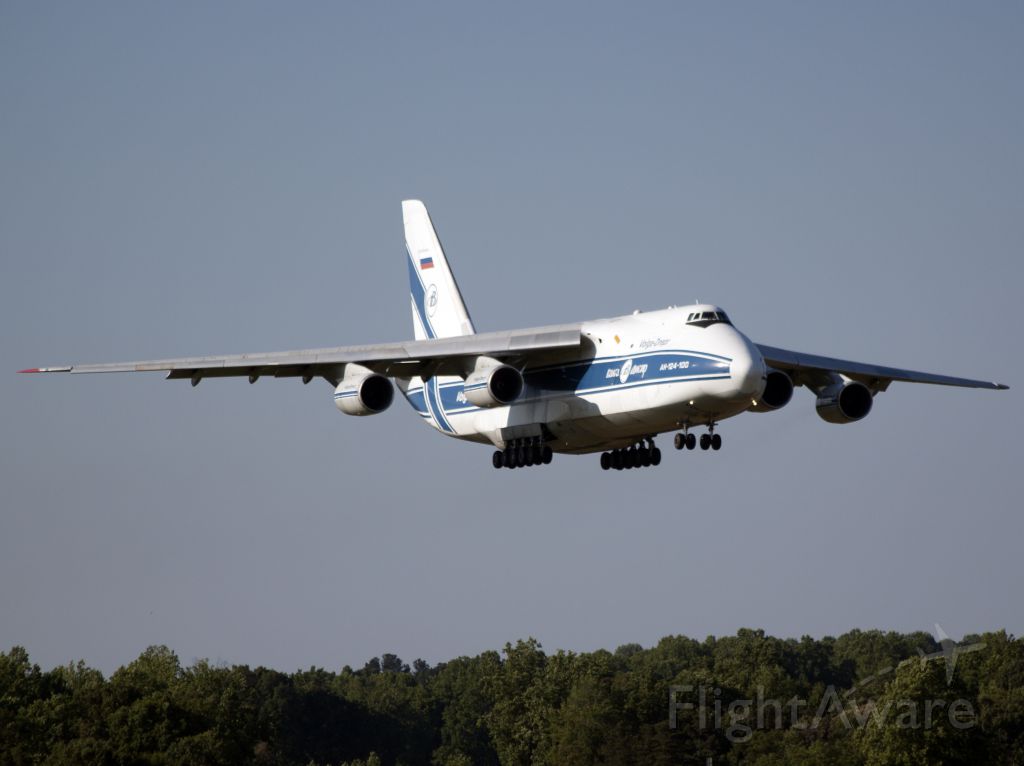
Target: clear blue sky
{"type": "Point", "coordinates": [191, 178]}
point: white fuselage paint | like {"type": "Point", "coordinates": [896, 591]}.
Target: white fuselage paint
{"type": "Point", "coordinates": [634, 376]}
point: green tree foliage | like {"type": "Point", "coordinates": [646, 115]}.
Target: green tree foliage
{"type": "Point", "coordinates": [861, 699]}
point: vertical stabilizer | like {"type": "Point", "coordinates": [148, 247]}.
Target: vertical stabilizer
{"type": "Point", "coordinates": [437, 307]}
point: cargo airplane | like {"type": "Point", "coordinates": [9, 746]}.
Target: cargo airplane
{"type": "Point", "coordinates": [606, 386]}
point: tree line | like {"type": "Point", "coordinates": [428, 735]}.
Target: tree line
{"type": "Point", "coordinates": [866, 697]}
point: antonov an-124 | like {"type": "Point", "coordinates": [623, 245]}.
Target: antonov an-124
{"type": "Point", "coordinates": [607, 386]}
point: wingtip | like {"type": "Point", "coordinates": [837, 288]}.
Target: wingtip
{"type": "Point", "coordinates": [1001, 386]}
{"type": "Point", "coordinates": [30, 369]}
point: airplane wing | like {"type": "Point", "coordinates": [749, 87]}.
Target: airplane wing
{"type": "Point", "coordinates": [405, 359]}
{"type": "Point", "coordinates": [807, 369]}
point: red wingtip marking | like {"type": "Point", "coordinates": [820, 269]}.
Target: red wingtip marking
{"type": "Point", "coordinates": [30, 369]}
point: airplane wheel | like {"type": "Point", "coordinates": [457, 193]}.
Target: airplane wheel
{"type": "Point", "coordinates": [716, 442]}
{"type": "Point", "coordinates": [606, 461]}
{"type": "Point", "coordinates": [655, 456]}
{"type": "Point", "coordinates": [618, 460]}
{"type": "Point", "coordinates": [643, 455]}
{"type": "Point", "coordinates": [691, 441]}
{"type": "Point", "coordinates": [506, 458]}
{"type": "Point", "coordinates": [705, 441]}
{"type": "Point", "coordinates": [497, 459]}
{"type": "Point", "coordinates": [535, 454]}
{"type": "Point", "coordinates": [546, 455]}
{"type": "Point", "coordinates": [679, 441]}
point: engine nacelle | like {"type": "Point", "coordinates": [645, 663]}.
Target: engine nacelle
{"type": "Point", "coordinates": [844, 402]}
{"type": "Point", "coordinates": [493, 384]}
{"type": "Point", "coordinates": [778, 390]}
{"type": "Point", "coordinates": [363, 392]}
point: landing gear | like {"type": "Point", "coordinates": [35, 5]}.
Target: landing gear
{"type": "Point", "coordinates": [522, 453]}
{"type": "Point", "coordinates": [640, 455]}
{"type": "Point", "coordinates": [685, 440]}
{"type": "Point", "coordinates": [710, 440]}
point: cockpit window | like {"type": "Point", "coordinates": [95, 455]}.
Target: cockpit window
{"type": "Point", "coordinates": [705, 318]}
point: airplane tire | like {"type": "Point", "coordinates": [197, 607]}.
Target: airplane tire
{"type": "Point", "coordinates": [705, 441]}
{"type": "Point", "coordinates": [546, 455]}
{"type": "Point", "coordinates": [497, 459]}
{"type": "Point", "coordinates": [655, 456]}
{"type": "Point", "coordinates": [506, 458]}
{"type": "Point", "coordinates": [606, 461]}
{"type": "Point", "coordinates": [618, 461]}
{"type": "Point", "coordinates": [679, 440]}
{"type": "Point", "coordinates": [716, 442]}
{"type": "Point", "coordinates": [691, 441]}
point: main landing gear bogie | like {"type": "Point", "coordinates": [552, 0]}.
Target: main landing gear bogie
{"type": "Point", "coordinates": [641, 455]}
{"type": "Point", "coordinates": [522, 453]}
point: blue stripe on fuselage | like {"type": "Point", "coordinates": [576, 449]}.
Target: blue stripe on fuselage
{"type": "Point", "coordinates": [590, 376]}
{"type": "Point", "coordinates": [434, 392]}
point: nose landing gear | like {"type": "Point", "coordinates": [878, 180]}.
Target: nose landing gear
{"type": "Point", "coordinates": [710, 440]}
{"type": "Point", "coordinates": [685, 440]}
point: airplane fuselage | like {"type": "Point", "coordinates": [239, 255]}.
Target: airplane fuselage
{"type": "Point", "coordinates": [634, 376]}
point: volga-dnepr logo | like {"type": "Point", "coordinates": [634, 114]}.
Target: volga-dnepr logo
{"type": "Point", "coordinates": [626, 371]}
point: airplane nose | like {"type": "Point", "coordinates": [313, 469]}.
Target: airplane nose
{"type": "Point", "coordinates": [748, 371]}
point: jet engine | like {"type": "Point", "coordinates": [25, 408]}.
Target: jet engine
{"type": "Point", "coordinates": [778, 390]}
{"type": "Point", "coordinates": [493, 384]}
{"type": "Point", "coordinates": [363, 392]}
{"type": "Point", "coordinates": [844, 401]}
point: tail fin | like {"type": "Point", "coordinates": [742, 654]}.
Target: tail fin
{"type": "Point", "coordinates": [437, 307]}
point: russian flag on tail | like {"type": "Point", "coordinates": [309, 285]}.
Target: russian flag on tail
{"type": "Point", "coordinates": [426, 263]}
